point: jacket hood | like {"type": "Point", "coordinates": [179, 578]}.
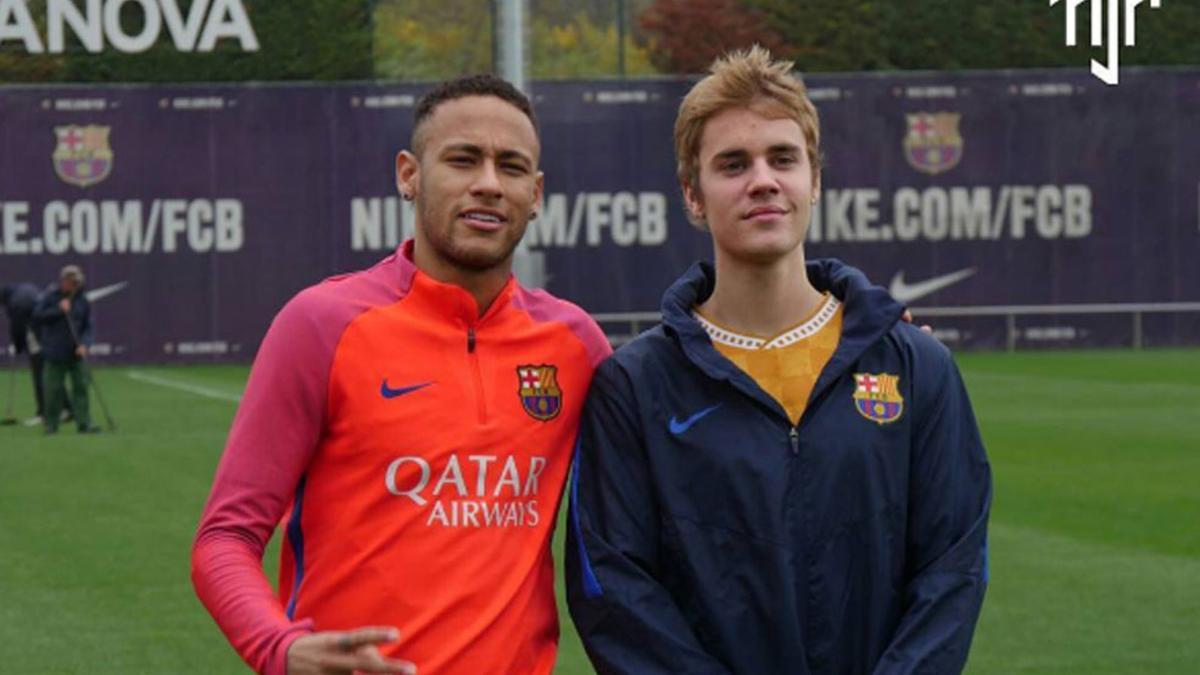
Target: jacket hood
{"type": "Point", "coordinates": [869, 312]}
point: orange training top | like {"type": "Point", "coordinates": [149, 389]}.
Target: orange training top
{"type": "Point", "coordinates": [422, 450]}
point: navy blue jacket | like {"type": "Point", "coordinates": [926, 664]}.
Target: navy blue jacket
{"type": "Point", "coordinates": [709, 535]}
{"type": "Point", "coordinates": [19, 303]}
{"type": "Point", "coordinates": [58, 344]}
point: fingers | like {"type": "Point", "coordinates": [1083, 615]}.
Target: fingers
{"type": "Point", "coordinates": [365, 659]}
{"type": "Point", "coordinates": [350, 640]}
{"type": "Point", "coordinates": [346, 652]}
{"type": "Point", "coordinates": [355, 651]}
{"type": "Point", "coordinates": [374, 662]}
{"type": "Point", "coordinates": [907, 317]}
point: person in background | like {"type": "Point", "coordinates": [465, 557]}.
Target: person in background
{"type": "Point", "coordinates": [64, 327]}
{"type": "Point", "coordinates": [20, 301]}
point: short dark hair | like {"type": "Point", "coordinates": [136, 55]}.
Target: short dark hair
{"type": "Point", "coordinates": [483, 84]}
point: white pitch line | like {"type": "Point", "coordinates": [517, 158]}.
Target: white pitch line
{"type": "Point", "coordinates": [184, 386]}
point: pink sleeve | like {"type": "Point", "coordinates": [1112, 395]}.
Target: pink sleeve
{"type": "Point", "coordinates": [274, 435]}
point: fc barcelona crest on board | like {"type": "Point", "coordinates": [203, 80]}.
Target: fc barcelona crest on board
{"type": "Point", "coordinates": [539, 392]}
{"type": "Point", "coordinates": [933, 144]}
{"type": "Point", "coordinates": [877, 397]}
{"type": "Point", "coordinates": [82, 155]}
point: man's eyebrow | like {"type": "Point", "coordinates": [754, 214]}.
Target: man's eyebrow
{"type": "Point", "coordinates": [476, 151]}
{"type": "Point", "coordinates": [735, 153]}
{"type": "Point", "coordinates": [515, 154]}
{"type": "Point", "coordinates": [741, 153]}
{"type": "Point", "coordinates": [783, 147]}
{"type": "Point", "coordinates": [469, 148]}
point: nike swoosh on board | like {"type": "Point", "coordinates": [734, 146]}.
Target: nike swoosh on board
{"type": "Point", "coordinates": [906, 292]}
{"type": "Point", "coordinates": [388, 392]}
{"type": "Point", "coordinates": [105, 291]}
{"type": "Point", "coordinates": [678, 427]}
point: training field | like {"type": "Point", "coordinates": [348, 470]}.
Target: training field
{"type": "Point", "coordinates": [1095, 536]}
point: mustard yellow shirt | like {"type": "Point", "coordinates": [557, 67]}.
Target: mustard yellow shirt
{"type": "Point", "coordinates": [787, 365]}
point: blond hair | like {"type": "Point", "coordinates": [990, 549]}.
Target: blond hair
{"type": "Point", "coordinates": [750, 79]}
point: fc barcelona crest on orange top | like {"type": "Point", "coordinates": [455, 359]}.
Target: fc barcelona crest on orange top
{"type": "Point", "coordinates": [877, 397]}
{"type": "Point", "coordinates": [539, 392]}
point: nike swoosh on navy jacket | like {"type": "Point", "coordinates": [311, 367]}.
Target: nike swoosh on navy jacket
{"type": "Point", "coordinates": [854, 542]}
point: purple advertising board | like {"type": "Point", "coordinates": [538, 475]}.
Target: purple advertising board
{"type": "Point", "coordinates": [1009, 206]}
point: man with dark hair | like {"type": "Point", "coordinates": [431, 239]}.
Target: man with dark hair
{"type": "Point", "coordinates": [64, 328]}
{"type": "Point", "coordinates": [413, 425]}
{"type": "Point", "coordinates": [471, 85]}
{"type": "Point", "coordinates": [19, 301]}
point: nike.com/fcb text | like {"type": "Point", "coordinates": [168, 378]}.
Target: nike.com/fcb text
{"type": "Point", "coordinates": [953, 214]}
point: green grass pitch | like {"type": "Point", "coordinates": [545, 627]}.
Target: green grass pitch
{"type": "Point", "coordinates": [1095, 535]}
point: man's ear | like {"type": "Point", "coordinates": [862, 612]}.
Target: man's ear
{"type": "Point", "coordinates": [538, 193]}
{"type": "Point", "coordinates": [408, 171]}
{"type": "Point", "coordinates": [694, 202]}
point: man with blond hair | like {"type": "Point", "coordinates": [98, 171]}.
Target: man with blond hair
{"type": "Point", "coordinates": [783, 477]}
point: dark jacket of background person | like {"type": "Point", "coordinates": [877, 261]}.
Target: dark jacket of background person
{"type": "Point", "coordinates": [20, 301]}
{"type": "Point", "coordinates": [58, 345]}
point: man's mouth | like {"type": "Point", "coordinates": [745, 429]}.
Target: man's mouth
{"type": "Point", "coordinates": [484, 219]}
{"type": "Point", "coordinates": [763, 212]}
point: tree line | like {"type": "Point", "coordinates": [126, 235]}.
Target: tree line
{"type": "Point", "coordinates": [434, 39]}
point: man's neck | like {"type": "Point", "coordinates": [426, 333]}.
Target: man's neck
{"type": "Point", "coordinates": [484, 286]}
{"type": "Point", "coordinates": [761, 299]}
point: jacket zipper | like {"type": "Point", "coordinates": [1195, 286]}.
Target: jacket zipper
{"type": "Point", "coordinates": [480, 399]}
{"type": "Point", "coordinates": [795, 438]}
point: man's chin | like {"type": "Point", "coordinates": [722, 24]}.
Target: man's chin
{"type": "Point", "coordinates": [476, 258]}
